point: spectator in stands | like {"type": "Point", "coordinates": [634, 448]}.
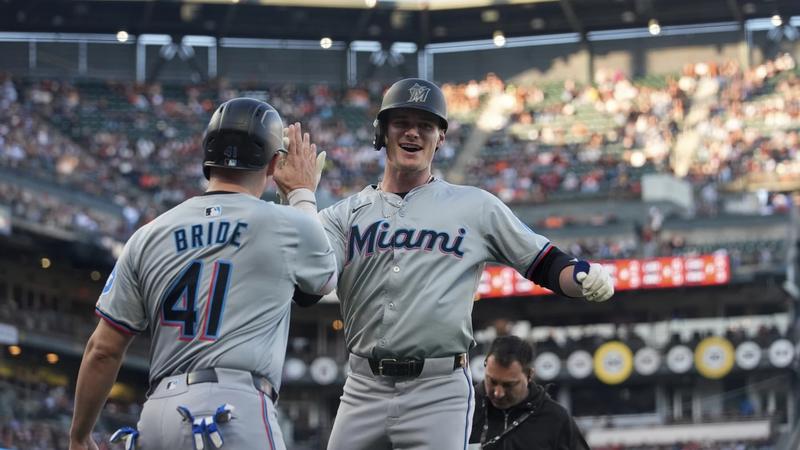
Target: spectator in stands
{"type": "Point", "coordinates": [514, 412]}
{"type": "Point", "coordinates": [110, 142]}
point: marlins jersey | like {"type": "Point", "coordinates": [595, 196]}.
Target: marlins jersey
{"type": "Point", "coordinates": [213, 280]}
{"type": "Point", "coordinates": [410, 266]}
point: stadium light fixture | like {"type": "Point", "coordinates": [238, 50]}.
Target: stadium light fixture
{"type": "Point", "coordinates": [326, 43]}
{"type": "Point", "coordinates": [52, 358]}
{"type": "Point", "coordinates": [654, 27]}
{"type": "Point", "coordinates": [15, 350]}
{"type": "Point", "coordinates": [499, 39]}
{"type": "Point", "coordinates": [122, 36]}
{"type": "Point", "coordinates": [776, 20]}
{"type": "Point", "coordinates": [45, 263]}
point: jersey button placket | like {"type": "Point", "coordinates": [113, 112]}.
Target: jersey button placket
{"type": "Point", "coordinates": [390, 309]}
{"type": "Point", "coordinates": [393, 282]}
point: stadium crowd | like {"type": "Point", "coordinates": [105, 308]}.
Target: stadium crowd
{"type": "Point", "coordinates": [601, 137]}
{"type": "Point", "coordinates": [136, 145]}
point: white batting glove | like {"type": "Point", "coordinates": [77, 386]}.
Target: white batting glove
{"type": "Point", "coordinates": [282, 196]}
{"type": "Point", "coordinates": [596, 285]}
{"type": "Point", "coordinates": [320, 166]}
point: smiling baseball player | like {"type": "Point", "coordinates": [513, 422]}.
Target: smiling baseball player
{"type": "Point", "coordinates": [212, 280]}
{"type": "Point", "coordinates": [411, 251]}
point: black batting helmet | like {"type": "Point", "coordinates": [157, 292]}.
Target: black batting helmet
{"type": "Point", "coordinates": [414, 93]}
{"type": "Point", "coordinates": [244, 134]}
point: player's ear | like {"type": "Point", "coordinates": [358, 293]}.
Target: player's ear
{"type": "Point", "coordinates": [440, 140]}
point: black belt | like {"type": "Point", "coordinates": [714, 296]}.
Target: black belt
{"type": "Point", "coordinates": [411, 368]}
{"type": "Point", "coordinates": [210, 376]}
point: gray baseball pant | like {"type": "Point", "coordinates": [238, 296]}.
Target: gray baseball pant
{"type": "Point", "coordinates": [432, 411]}
{"type": "Point", "coordinates": [254, 425]}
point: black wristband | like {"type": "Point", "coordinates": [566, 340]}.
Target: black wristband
{"type": "Point", "coordinates": [580, 266]}
{"type": "Point", "coordinates": [548, 272]}
{"type": "Point", "coordinates": [304, 299]}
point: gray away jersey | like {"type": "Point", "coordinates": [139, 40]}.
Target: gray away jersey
{"type": "Point", "coordinates": [409, 268]}
{"type": "Point", "coordinates": [213, 279]}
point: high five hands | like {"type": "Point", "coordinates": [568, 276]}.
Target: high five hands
{"type": "Point", "coordinates": [298, 165]}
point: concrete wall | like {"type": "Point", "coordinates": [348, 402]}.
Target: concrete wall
{"type": "Point", "coordinates": [534, 63]}
{"type": "Point", "coordinates": [666, 54]}
{"type": "Point", "coordinates": [635, 57]}
{"type": "Point", "coordinates": [282, 65]}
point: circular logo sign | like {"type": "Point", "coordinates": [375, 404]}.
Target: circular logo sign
{"type": "Point", "coordinates": [714, 357]}
{"type": "Point", "coordinates": [781, 353]}
{"type": "Point", "coordinates": [748, 355]}
{"type": "Point", "coordinates": [646, 361]}
{"type": "Point", "coordinates": [294, 369]}
{"type": "Point", "coordinates": [613, 362]}
{"type": "Point", "coordinates": [679, 359]}
{"type": "Point", "coordinates": [579, 364]}
{"type": "Point", "coordinates": [547, 366]}
{"type": "Point", "coordinates": [324, 370]}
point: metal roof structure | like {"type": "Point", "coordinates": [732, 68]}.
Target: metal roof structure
{"type": "Point", "coordinates": [416, 21]}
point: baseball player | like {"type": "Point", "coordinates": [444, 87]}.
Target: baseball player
{"type": "Point", "coordinates": [411, 251]}
{"type": "Point", "coordinates": [211, 279]}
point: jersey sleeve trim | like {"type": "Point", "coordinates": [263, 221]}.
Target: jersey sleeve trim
{"type": "Point", "coordinates": [119, 325]}
{"type": "Point", "coordinates": [536, 261]}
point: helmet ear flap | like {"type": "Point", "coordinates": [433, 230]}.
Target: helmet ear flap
{"type": "Point", "coordinates": [380, 135]}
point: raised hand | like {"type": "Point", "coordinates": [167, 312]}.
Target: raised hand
{"type": "Point", "coordinates": [297, 168]}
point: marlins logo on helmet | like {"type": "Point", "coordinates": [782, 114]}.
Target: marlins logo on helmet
{"type": "Point", "coordinates": [419, 94]}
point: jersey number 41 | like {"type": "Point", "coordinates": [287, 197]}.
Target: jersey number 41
{"type": "Point", "coordinates": [179, 303]}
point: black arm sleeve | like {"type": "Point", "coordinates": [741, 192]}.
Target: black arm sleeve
{"type": "Point", "coordinates": [303, 299]}
{"type": "Point", "coordinates": [548, 271]}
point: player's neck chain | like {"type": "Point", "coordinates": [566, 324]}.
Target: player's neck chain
{"type": "Point", "coordinates": [430, 178]}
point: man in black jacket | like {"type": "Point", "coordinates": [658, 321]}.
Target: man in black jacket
{"type": "Point", "coordinates": [512, 412]}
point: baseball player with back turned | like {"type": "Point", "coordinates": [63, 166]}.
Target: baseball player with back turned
{"type": "Point", "coordinates": [212, 279]}
{"type": "Point", "coordinates": [411, 251]}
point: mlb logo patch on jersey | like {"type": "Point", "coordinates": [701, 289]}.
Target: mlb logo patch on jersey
{"type": "Point", "coordinates": [213, 211]}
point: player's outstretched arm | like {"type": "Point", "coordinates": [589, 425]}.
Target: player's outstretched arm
{"type": "Point", "coordinates": [102, 359]}
{"type": "Point", "coordinates": [591, 281]}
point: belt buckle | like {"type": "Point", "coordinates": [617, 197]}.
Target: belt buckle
{"type": "Point", "coordinates": [380, 364]}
